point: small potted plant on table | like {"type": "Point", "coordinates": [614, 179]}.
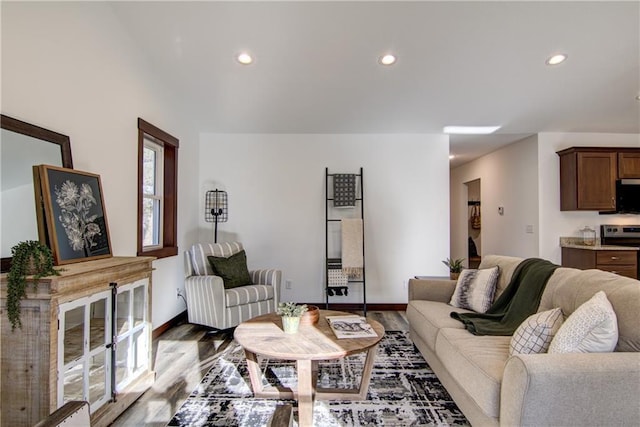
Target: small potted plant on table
{"type": "Point", "coordinates": [291, 313]}
{"type": "Point", "coordinates": [455, 267]}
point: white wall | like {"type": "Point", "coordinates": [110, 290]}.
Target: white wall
{"type": "Point", "coordinates": [553, 222]}
{"type": "Point", "coordinates": [71, 68]}
{"type": "Point", "coordinates": [275, 187]}
{"type": "Point", "coordinates": [508, 178]}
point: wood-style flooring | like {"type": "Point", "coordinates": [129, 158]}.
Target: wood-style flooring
{"type": "Point", "coordinates": [183, 355]}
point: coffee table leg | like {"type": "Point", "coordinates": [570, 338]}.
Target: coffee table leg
{"type": "Point", "coordinates": [359, 393]}
{"type": "Point", "coordinates": [305, 393]}
{"type": "Point", "coordinates": [254, 372]}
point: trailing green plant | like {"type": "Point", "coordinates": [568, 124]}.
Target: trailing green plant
{"type": "Point", "coordinates": [28, 258]}
{"type": "Point", "coordinates": [291, 309]}
{"type": "Point", "coordinates": [454, 265]}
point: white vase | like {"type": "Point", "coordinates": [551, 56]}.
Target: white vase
{"type": "Point", "coordinates": [290, 324]}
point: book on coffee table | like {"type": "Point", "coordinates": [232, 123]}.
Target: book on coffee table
{"type": "Point", "coordinates": [352, 326]}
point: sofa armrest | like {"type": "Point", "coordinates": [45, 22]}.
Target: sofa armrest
{"type": "Point", "coordinates": [206, 301]}
{"type": "Point", "coordinates": [431, 289]}
{"type": "Point", "coordinates": [271, 277]}
{"type": "Point", "coordinates": [593, 389]}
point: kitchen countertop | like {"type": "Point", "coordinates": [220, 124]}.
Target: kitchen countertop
{"type": "Point", "coordinates": [576, 243]}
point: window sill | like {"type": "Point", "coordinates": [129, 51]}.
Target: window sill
{"type": "Point", "coordinates": [161, 253]}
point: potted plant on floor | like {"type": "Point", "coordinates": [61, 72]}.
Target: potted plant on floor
{"type": "Point", "coordinates": [29, 258]}
{"type": "Point", "coordinates": [291, 313]}
{"type": "Point", "coordinates": [455, 267]}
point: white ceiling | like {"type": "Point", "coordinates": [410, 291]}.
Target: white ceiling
{"type": "Point", "coordinates": [459, 63]}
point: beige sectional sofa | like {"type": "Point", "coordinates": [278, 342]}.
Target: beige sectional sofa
{"type": "Point", "coordinates": [492, 388]}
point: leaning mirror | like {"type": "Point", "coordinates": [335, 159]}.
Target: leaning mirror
{"type": "Point", "coordinates": [23, 145]}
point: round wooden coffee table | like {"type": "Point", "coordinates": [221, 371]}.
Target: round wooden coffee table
{"type": "Point", "coordinates": [264, 335]}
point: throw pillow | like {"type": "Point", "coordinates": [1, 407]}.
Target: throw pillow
{"type": "Point", "coordinates": [233, 269]}
{"type": "Point", "coordinates": [534, 335]}
{"type": "Point", "coordinates": [592, 328]}
{"type": "Point", "coordinates": [475, 289]}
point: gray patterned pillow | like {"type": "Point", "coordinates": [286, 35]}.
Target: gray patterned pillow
{"type": "Point", "coordinates": [592, 328]}
{"type": "Point", "coordinates": [534, 335]}
{"type": "Point", "coordinates": [475, 289]}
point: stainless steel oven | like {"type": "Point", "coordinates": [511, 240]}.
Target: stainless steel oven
{"type": "Point", "coordinates": [621, 235]}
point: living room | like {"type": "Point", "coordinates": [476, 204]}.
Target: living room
{"type": "Point", "coordinates": [82, 69]}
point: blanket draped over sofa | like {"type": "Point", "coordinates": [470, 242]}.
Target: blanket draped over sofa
{"type": "Point", "coordinates": [519, 300]}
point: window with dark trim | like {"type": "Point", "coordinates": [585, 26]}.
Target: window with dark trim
{"type": "Point", "coordinates": [157, 191]}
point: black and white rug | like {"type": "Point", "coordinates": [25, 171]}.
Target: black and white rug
{"type": "Point", "coordinates": [403, 391]}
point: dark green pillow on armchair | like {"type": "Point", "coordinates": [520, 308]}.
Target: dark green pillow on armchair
{"type": "Point", "coordinates": [233, 270]}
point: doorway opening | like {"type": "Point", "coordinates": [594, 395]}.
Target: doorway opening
{"type": "Point", "coordinates": [474, 223]}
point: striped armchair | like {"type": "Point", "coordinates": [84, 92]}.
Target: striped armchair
{"type": "Point", "coordinates": [210, 304]}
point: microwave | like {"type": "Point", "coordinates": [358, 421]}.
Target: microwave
{"type": "Point", "coordinates": [628, 196]}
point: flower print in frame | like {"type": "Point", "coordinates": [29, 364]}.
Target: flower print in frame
{"type": "Point", "coordinates": [75, 220]}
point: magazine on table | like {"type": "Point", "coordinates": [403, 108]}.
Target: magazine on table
{"type": "Point", "coordinates": [352, 326]}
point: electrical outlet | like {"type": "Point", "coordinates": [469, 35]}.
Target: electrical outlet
{"type": "Point", "coordinates": [179, 293]}
{"type": "Point", "coordinates": [287, 284]}
{"type": "Point", "coordinates": [529, 229]}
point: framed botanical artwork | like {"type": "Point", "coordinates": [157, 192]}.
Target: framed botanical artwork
{"type": "Point", "coordinates": [72, 220]}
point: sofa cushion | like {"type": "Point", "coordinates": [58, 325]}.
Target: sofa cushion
{"type": "Point", "coordinates": [568, 288]}
{"type": "Point", "coordinates": [248, 294]}
{"type": "Point", "coordinates": [534, 335]}
{"type": "Point", "coordinates": [427, 317]}
{"type": "Point", "coordinates": [233, 270]}
{"type": "Point", "coordinates": [592, 328]}
{"type": "Point", "coordinates": [507, 266]}
{"type": "Point", "coordinates": [200, 251]}
{"type": "Point", "coordinates": [475, 289]}
{"type": "Point", "coordinates": [476, 363]}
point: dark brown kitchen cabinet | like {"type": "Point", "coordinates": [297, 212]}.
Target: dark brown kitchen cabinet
{"type": "Point", "coordinates": [621, 262]}
{"type": "Point", "coordinates": [628, 165]}
{"type": "Point", "coordinates": [588, 179]}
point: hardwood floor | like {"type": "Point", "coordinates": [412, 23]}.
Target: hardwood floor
{"type": "Point", "coordinates": [184, 354]}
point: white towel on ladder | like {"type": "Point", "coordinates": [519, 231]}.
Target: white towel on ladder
{"type": "Point", "coordinates": [352, 250]}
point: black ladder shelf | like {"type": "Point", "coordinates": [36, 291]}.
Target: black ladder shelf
{"type": "Point", "coordinates": [336, 263]}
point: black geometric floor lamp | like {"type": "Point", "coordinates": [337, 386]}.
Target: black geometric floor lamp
{"type": "Point", "coordinates": [215, 209]}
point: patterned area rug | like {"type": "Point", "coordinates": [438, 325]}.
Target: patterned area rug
{"type": "Point", "coordinates": [403, 391]}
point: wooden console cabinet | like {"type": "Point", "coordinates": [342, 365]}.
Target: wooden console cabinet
{"type": "Point", "coordinates": [588, 176]}
{"type": "Point", "coordinates": [86, 335]}
{"type": "Point", "coordinates": [622, 262]}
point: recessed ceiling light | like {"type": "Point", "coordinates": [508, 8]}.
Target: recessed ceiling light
{"type": "Point", "coordinates": [470, 130]}
{"type": "Point", "coordinates": [637, 97]}
{"type": "Point", "coordinates": [387, 59]}
{"type": "Point", "coordinates": [244, 58]}
{"type": "Point", "coordinates": [556, 59]}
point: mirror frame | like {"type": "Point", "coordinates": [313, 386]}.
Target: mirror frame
{"type": "Point", "coordinates": [24, 128]}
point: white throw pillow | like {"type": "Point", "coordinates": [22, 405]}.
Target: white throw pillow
{"type": "Point", "coordinates": [592, 328]}
{"type": "Point", "coordinates": [534, 335]}
{"type": "Point", "coordinates": [475, 289]}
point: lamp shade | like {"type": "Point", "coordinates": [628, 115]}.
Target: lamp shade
{"type": "Point", "coordinates": [215, 206]}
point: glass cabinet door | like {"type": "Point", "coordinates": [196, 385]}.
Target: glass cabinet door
{"type": "Point", "coordinates": [84, 356]}
{"type": "Point", "coordinates": [133, 333]}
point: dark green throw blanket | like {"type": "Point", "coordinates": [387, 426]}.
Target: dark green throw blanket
{"type": "Point", "coordinates": [519, 300]}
